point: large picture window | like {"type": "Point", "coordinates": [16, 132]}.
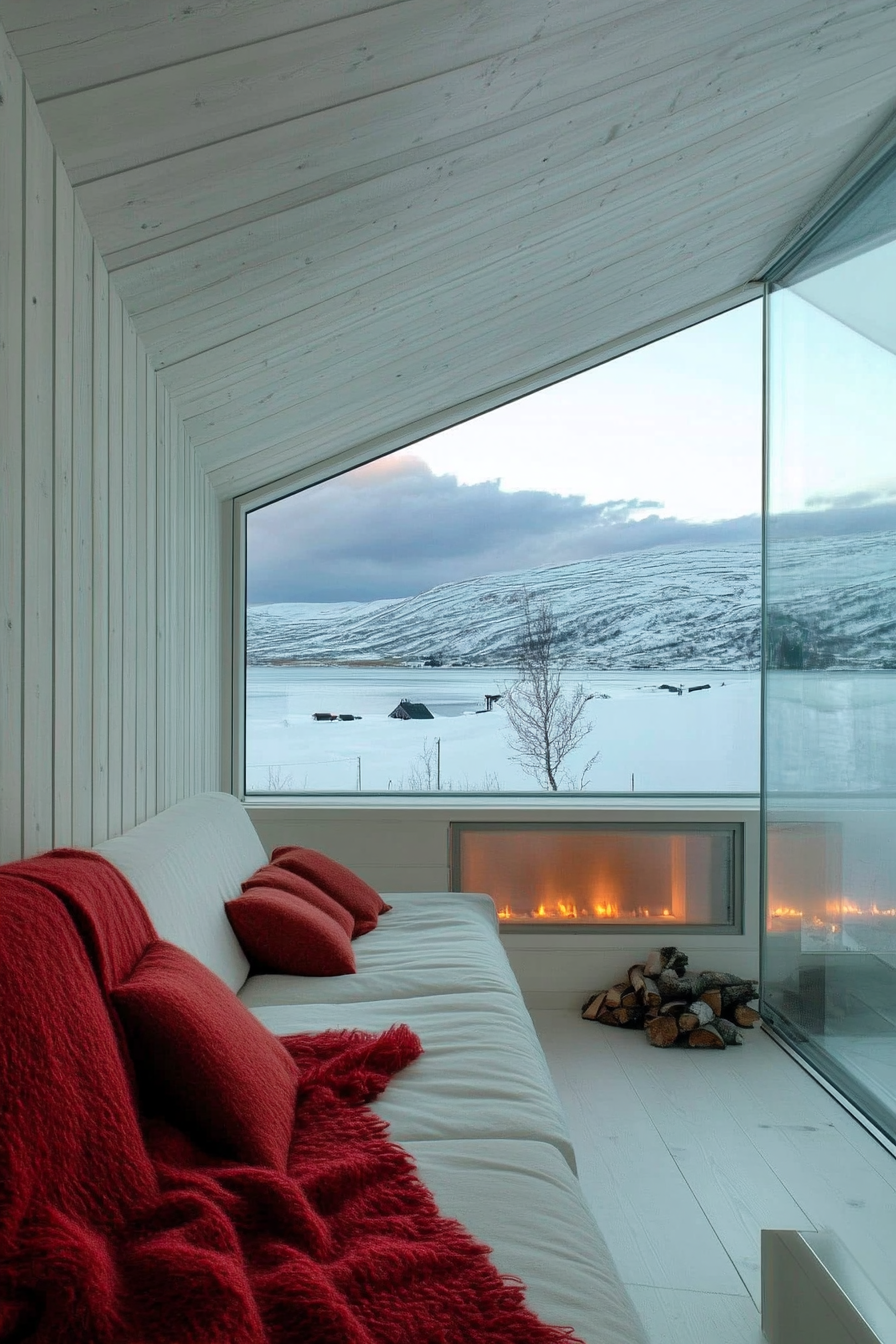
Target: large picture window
{"type": "Point", "coordinates": [559, 596]}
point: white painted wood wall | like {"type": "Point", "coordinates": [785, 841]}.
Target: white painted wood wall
{"type": "Point", "coordinates": [109, 533]}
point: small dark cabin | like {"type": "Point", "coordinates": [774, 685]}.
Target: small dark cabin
{"type": "Point", "coordinates": [408, 709]}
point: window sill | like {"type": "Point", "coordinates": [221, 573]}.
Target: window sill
{"type": "Point", "coordinates": [456, 803]}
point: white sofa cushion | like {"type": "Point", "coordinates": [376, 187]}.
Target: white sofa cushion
{"type": "Point", "coordinates": [429, 943]}
{"type": "Point", "coordinates": [483, 1073]}
{"type": "Point", "coordinates": [184, 864]}
{"type": "Point", "coordinates": [522, 1200]}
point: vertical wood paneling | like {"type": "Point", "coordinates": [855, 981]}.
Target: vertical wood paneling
{"type": "Point", "coordinates": [37, 753]}
{"type": "Point", "coordinates": [140, 586]}
{"type": "Point", "coordinates": [149, 587]}
{"type": "Point", "coordinates": [116, 563]}
{"type": "Point", "coordinates": [129, 575]}
{"type": "Point", "coordinates": [12, 608]}
{"type": "Point", "coordinates": [110, 670]}
{"type": "Point", "coordinates": [161, 602]}
{"type": "Point", "coordinates": [191, 539]}
{"type": "Point", "coordinates": [170, 617]}
{"type": "Point", "coordinates": [100, 611]}
{"type": "Point", "coordinates": [179, 512]}
{"type": "Point", "coordinates": [63, 409]}
{"type": "Point", "coordinates": [82, 535]}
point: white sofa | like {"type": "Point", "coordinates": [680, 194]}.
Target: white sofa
{"type": "Point", "coordinates": [478, 1111]}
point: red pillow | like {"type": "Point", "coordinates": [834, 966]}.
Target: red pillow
{"type": "Point", "coordinates": [205, 1062]}
{"type": "Point", "coordinates": [281, 934]}
{"type": "Point", "coordinates": [273, 876]}
{"type": "Point", "coordinates": [351, 891]}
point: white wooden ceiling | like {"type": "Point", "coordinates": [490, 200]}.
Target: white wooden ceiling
{"type": "Point", "coordinates": [334, 219]}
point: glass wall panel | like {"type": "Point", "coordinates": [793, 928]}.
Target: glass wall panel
{"type": "Point", "coordinates": [829, 973]}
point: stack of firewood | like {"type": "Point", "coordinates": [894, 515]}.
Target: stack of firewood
{"type": "Point", "coordinates": [676, 1008]}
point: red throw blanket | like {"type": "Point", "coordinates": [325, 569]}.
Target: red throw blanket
{"type": "Point", "coordinates": [115, 1230]}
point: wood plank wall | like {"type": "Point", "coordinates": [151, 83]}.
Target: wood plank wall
{"type": "Point", "coordinates": [109, 533]}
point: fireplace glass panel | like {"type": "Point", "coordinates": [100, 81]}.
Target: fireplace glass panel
{"type": "Point", "coordinates": [601, 875]}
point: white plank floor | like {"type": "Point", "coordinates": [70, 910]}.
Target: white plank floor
{"type": "Point", "coordinates": [685, 1155]}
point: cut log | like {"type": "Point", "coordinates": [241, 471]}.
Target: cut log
{"type": "Point", "coordinates": [652, 996]}
{"type": "Point", "coordinates": [645, 986]}
{"type": "Point", "coordinates": [651, 1014]}
{"type": "Point", "coordinates": [688, 1022]}
{"type": "Point", "coordinates": [728, 1031]}
{"type": "Point", "coordinates": [662, 1031]}
{"type": "Point", "coordinates": [636, 978]}
{"type": "Point", "coordinates": [673, 958]}
{"type": "Point", "coordinates": [594, 1005]}
{"type": "Point", "coordinates": [706, 1038]}
{"type": "Point", "coordinates": [629, 1017]}
{"type": "Point", "coordinates": [721, 979]}
{"type": "Point", "coordinates": [735, 994]}
{"type": "Point", "coordinates": [629, 1000]}
{"type": "Point", "coordinates": [615, 993]}
{"type": "Point", "coordinates": [669, 985]}
{"type": "Point", "coordinates": [713, 998]}
{"type": "Point", "coordinates": [745, 1016]}
{"type": "Point", "coordinates": [605, 1017]}
{"type": "Point", "coordinates": [702, 1011]}
{"type": "Point", "coordinates": [675, 1007]}
{"type": "Point", "coordinates": [690, 987]}
{"type": "Point", "coordinates": [655, 963]}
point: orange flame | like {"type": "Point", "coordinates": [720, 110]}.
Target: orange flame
{"type": "Point", "coordinates": [834, 911]}
{"type": "Point", "coordinates": [563, 909]}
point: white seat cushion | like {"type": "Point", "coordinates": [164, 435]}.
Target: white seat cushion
{"type": "Point", "coordinates": [483, 1073]}
{"type": "Point", "coordinates": [522, 1200]}
{"type": "Point", "coordinates": [184, 864]}
{"type": "Point", "coordinates": [429, 943]}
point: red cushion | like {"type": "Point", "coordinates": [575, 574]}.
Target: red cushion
{"type": "Point", "coordinates": [205, 1062]}
{"type": "Point", "coordinates": [273, 876]}
{"type": "Point", "coordinates": [351, 891]}
{"type": "Point", "coordinates": [281, 934]}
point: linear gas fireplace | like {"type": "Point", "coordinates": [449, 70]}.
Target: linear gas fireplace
{"type": "Point", "coordinates": [595, 875]}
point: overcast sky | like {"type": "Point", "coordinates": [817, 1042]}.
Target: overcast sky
{"type": "Point", "coordinates": [659, 447]}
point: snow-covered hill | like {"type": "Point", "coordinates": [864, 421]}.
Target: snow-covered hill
{"type": "Point", "coordinates": [661, 608]}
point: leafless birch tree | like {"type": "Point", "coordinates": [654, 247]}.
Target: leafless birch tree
{"type": "Point", "coordinates": [547, 721]}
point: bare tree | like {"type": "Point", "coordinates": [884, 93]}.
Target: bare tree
{"type": "Point", "coordinates": [546, 720]}
{"type": "Point", "coordinates": [425, 775]}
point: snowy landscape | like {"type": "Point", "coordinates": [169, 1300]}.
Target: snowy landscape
{"type": "Point", "coordinates": [627, 625]}
{"type": "Point", "coordinates": [667, 607]}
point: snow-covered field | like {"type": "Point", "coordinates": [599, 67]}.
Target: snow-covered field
{"type": "Point", "coordinates": [706, 741]}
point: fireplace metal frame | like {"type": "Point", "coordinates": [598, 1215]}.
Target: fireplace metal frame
{"type": "Point", "coordinates": [734, 925]}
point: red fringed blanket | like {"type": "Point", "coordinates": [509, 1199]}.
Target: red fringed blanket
{"type": "Point", "coordinates": [115, 1230]}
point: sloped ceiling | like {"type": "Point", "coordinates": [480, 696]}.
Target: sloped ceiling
{"type": "Point", "coordinates": [332, 220]}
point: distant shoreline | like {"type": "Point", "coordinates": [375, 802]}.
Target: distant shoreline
{"type": "Point", "coordinates": [397, 665]}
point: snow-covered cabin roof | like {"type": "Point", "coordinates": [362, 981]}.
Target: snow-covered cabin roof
{"type": "Point", "coordinates": [341, 224]}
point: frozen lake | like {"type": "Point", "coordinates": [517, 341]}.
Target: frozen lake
{"type": "Point", "coordinates": [706, 741]}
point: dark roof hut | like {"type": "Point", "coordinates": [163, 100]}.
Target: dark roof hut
{"type": "Point", "coordinates": [408, 709]}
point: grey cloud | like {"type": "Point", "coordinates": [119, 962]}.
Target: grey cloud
{"type": "Point", "coordinates": [843, 520]}
{"type": "Point", "coordinates": [859, 499]}
{"type": "Point", "coordinates": [398, 529]}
